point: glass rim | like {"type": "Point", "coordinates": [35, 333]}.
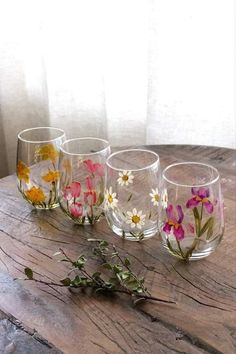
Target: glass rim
{"type": "Point", "coordinates": [191, 163]}
{"type": "Point", "coordinates": [133, 169]}
{"type": "Point", "coordinates": [88, 153]}
{"type": "Point", "coordinates": [40, 141]}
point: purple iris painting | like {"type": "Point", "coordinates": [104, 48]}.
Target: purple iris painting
{"type": "Point", "coordinates": [174, 221]}
{"type": "Point", "coordinates": [200, 195]}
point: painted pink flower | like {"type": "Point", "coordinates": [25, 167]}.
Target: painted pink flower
{"type": "Point", "coordinates": [200, 195]}
{"type": "Point", "coordinates": [89, 183]}
{"type": "Point", "coordinates": [95, 168]}
{"type": "Point", "coordinates": [174, 222]}
{"type": "Point", "coordinates": [76, 210]}
{"type": "Point", "coordinates": [190, 228]}
{"type": "Point", "coordinates": [72, 191]}
{"type": "Point", "coordinates": [90, 197]}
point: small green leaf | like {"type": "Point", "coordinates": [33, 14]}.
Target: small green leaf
{"type": "Point", "coordinates": [103, 243]}
{"type": "Point", "coordinates": [124, 275]}
{"type": "Point", "coordinates": [96, 275]}
{"type": "Point", "coordinates": [107, 266]}
{"type": "Point", "coordinates": [127, 262]}
{"type": "Point", "coordinates": [117, 268]}
{"type": "Point", "coordinates": [113, 281]}
{"type": "Point", "coordinates": [76, 281]}
{"type": "Point", "coordinates": [66, 281]}
{"type": "Point", "coordinates": [29, 273]}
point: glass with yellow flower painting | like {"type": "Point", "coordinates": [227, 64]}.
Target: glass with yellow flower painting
{"type": "Point", "coordinates": [37, 165]}
{"type": "Point", "coordinates": [132, 196]}
{"type": "Point", "coordinates": [83, 173]}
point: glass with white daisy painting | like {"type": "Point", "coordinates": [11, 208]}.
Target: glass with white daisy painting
{"type": "Point", "coordinates": [132, 194]}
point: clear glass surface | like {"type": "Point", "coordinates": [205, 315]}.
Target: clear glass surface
{"type": "Point", "coordinates": [191, 220]}
{"type": "Point", "coordinates": [82, 181]}
{"type": "Point", "coordinates": [132, 193]}
{"type": "Point", "coordinates": [37, 165]}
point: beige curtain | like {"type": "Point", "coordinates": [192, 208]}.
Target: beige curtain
{"type": "Point", "coordinates": [132, 71]}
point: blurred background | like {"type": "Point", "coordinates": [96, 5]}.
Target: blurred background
{"type": "Point", "coordinates": [131, 71]}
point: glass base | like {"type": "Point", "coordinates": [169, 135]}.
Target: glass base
{"type": "Point", "coordinates": [83, 220]}
{"type": "Point", "coordinates": [46, 207]}
{"type": "Point", "coordinates": [137, 235]}
{"type": "Point", "coordinates": [203, 249]}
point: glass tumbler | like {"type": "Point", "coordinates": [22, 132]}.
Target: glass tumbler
{"type": "Point", "coordinates": [82, 171]}
{"type": "Point", "coordinates": [192, 221]}
{"type": "Point", "coordinates": [37, 165]}
{"type": "Point", "coordinates": [132, 193]}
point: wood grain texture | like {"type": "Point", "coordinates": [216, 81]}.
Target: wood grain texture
{"type": "Point", "coordinates": [203, 320]}
{"type": "Point", "coordinates": [17, 338]}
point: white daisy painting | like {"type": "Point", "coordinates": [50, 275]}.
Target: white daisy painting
{"type": "Point", "coordinates": [155, 197]}
{"type": "Point", "coordinates": [135, 218]}
{"type": "Point", "coordinates": [110, 198]}
{"type": "Point", "coordinates": [164, 199]}
{"type": "Point", "coordinates": [125, 178]}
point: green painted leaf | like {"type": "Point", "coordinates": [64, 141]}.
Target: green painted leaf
{"type": "Point", "coordinates": [210, 229]}
{"type": "Point", "coordinates": [196, 213]}
{"type": "Point", "coordinates": [100, 199]}
{"type": "Point", "coordinates": [206, 226]}
{"type": "Point", "coordinates": [130, 196]}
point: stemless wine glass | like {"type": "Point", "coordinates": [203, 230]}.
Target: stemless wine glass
{"type": "Point", "coordinates": [192, 222]}
{"type": "Point", "coordinates": [82, 171]}
{"type": "Point", "coordinates": [37, 165]}
{"type": "Point", "coordinates": [132, 193]}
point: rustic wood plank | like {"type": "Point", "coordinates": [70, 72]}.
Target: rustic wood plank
{"type": "Point", "coordinates": [203, 320]}
{"type": "Point", "coordinates": [15, 338]}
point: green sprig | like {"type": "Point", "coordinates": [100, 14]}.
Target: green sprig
{"type": "Point", "coordinates": [114, 276]}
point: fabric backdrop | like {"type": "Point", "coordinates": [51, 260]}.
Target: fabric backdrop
{"type": "Point", "coordinates": [132, 71]}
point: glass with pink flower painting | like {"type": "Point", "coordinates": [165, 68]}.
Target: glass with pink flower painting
{"type": "Point", "coordinates": [82, 179]}
{"type": "Point", "coordinates": [132, 196]}
{"type": "Point", "coordinates": [192, 221]}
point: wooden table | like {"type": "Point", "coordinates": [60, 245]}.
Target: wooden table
{"type": "Point", "coordinates": [35, 318]}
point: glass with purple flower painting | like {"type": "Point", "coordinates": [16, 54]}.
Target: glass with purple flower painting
{"type": "Point", "coordinates": [192, 222]}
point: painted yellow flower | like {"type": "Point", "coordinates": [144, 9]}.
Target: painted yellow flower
{"type": "Point", "coordinates": [23, 171]}
{"type": "Point", "coordinates": [35, 195]}
{"type": "Point", "coordinates": [51, 176]}
{"type": "Point", "coordinates": [67, 165]}
{"type": "Point", "coordinates": [47, 152]}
